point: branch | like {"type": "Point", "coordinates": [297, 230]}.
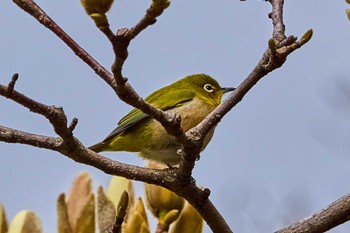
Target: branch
{"type": "Point", "coordinates": [333, 215]}
{"type": "Point", "coordinates": [181, 182]}
{"type": "Point", "coordinates": [34, 10]}
{"type": "Point", "coordinates": [273, 58]}
{"type": "Point", "coordinates": [16, 136]}
{"type": "Point", "coordinates": [71, 147]}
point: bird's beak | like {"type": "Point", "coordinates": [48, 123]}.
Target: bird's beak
{"type": "Point", "coordinates": [227, 89]}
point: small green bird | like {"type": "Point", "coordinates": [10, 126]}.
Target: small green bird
{"type": "Point", "coordinates": [192, 97]}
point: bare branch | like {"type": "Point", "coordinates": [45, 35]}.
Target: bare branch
{"type": "Point", "coordinates": [75, 150]}
{"type": "Point", "coordinates": [16, 136]}
{"type": "Point", "coordinates": [34, 10]}
{"type": "Point", "coordinates": [125, 92]}
{"type": "Point", "coordinates": [180, 181]}
{"type": "Point", "coordinates": [270, 61]}
{"type": "Point", "coordinates": [333, 215]}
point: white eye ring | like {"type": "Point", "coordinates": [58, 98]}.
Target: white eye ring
{"type": "Point", "coordinates": [208, 88]}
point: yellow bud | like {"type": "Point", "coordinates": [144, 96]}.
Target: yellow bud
{"type": "Point", "coordinates": [170, 217]}
{"type": "Point", "coordinates": [160, 200]}
{"type": "Point", "coordinates": [348, 13]}
{"type": "Point", "coordinates": [306, 37]}
{"type": "Point", "coordinates": [3, 220]}
{"type": "Point", "coordinates": [116, 188]}
{"type": "Point", "coordinates": [189, 221]}
{"type": "Point", "coordinates": [96, 6]}
{"type": "Point", "coordinates": [25, 221]}
{"type": "Point", "coordinates": [137, 219]}
{"type": "Point", "coordinates": [157, 7]}
{"type": "Point", "coordinates": [63, 224]}
{"type": "Point", "coordinates": [123, 205]}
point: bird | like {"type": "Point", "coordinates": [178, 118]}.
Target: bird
{"type": "Point", "coordinates": [192, 97]}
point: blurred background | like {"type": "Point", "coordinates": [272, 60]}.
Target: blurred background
{"type": "Point", "coordinates": [279, 156]}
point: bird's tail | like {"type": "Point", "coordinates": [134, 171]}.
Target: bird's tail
{"type": "Point", "coordinates": [98, 147]}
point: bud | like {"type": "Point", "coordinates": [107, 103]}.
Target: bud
{"type": "Point", "coordinates": [160, 200]}
{"type": "Point", "coordinates": [97, 10]}
{"type": "Point", "coordinates": [137, 219]}
{"type": "Point", "coordinates": [3, 220]}
{"type": "Point", "coordinates": [189, 221]}
{"type": "Point", "coordinates": [348, 13]}
{"type": "Point", "coordinates": [105, 211]}
{"type": "Point", "coordinates": [272, 45]}
{"type": "Point", "coordinates": [80, 202]}
{"type": "Point", "coordinates": [157, 8]}
{"type": "Point", "coordinates": [96, 6]}
{"type": "Point", "coordinates": [77, 213]}
{"type": "Point", "coordinates": [25, 221]}
{"type": "Point", "coordinates": [306, 37]}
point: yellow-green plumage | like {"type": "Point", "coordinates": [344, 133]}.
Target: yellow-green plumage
{"type": "Point", "coordinates": [192, 97]}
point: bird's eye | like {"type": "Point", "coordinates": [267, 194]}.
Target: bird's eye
{"type": "Point", "coordinates": [208, 88]}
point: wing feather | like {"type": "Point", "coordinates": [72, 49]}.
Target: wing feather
{"type": "Point", "coordinates": [173, 99]}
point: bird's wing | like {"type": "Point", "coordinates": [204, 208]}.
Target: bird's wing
{"type": "Point", "coordinates": [173, 99]}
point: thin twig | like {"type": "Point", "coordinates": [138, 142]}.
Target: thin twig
{"type": "Point", "coordinates": [34, 10]}
{"type": "Point", "coordinates": [333, 215]}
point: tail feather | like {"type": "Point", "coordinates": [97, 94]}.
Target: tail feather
{"type": "Point", "coordinates": [98, 147]}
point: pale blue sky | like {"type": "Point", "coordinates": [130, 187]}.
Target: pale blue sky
{"type": "Point", "coordinates": [279, 156]}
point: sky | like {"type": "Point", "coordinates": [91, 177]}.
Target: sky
{"type": "Point", "coordinates": [280, 155]}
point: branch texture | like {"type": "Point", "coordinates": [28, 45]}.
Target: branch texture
{"type": "Point", "coordinates": [335, 214]}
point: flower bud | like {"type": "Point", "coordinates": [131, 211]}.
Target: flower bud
{"type": "Point", "coordinates": [96, 6]}
{"type": "Point", "coordinates": [137, 219]}
{"type": "Point", "coordinates": [160, 200]}
{"type": "Point", "coordinates": [306, 37]}
{"type": "Point", "coordinates": [97, 10]}
{"type": "Point", "coordinates": [189, 221]}
{"type": "Point", "coordinates": [3, 220]}
{"type": "Point", "coordinates": [26, 221]}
